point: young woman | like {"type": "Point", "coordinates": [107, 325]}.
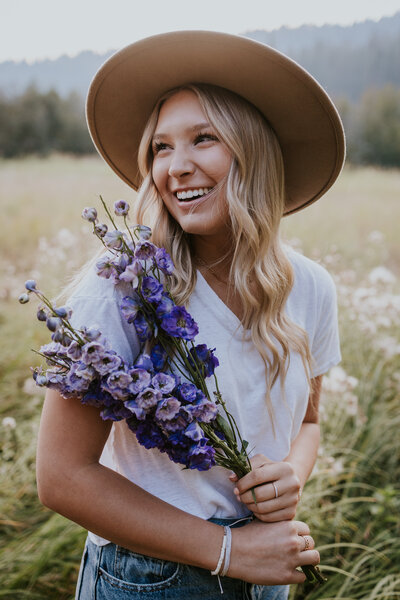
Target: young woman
{"type": "Point", "coordinates": [221, 161]}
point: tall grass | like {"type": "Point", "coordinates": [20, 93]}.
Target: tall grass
{"type": "Point", "coordinates": [352, 499]}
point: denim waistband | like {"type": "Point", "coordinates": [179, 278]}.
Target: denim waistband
{"type": "Point", "coordinates": [232, 522]}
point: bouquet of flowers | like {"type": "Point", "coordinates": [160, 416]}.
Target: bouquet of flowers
{"type": "Point", "coordinates": [163, 396]}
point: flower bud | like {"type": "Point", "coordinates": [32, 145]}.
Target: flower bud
{"type": "Point", "coordinates": [30, 285]}
{"type": "Point", "coordinates": [121, 208]}
{"type": "Point", "coordinates": [61, 312]}
{"type": "Point", "coordinates": [53, 323]}
{"type": "Point", "coordinates": [24, 298]}
{"type": "Point", "coordinates": [89, 214]}
{"type": "Point", "coordinates": [101, 230]}
{"type": "Point", "coordinates": [41, 314]}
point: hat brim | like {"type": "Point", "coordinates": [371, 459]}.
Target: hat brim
{"type": "Point", "coordinates": [124, 91]}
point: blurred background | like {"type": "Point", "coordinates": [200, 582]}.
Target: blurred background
{"type": "Point", "coordinates": [49, 171]}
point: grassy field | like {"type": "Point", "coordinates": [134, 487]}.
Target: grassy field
{"type": "Point", "coordinates": [352, 500]}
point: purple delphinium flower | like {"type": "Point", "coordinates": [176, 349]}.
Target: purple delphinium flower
{"type": "Point", "coordinates": [164, 383]}
{"type": "Point", "coordinates": [140, 380]}
{"type": "Point", "coordinates": [203, 356]}
{"type": "Point", "coordinates": [165, 305]}
{"type": "Point", "coordinates": [144, 362]}
{"type": "Point", "coordinates": [135, 409]}
{"type": "Point", "coordinates": [179, 422]}
{"type": "Point", "coordinates": [130, 308]}
{"type": "Point", "coordinates": [92, 352]}
{"type": "Point", "coordinates": [142, 327]}
{"type": "Point", "coordinates": [91, 334]}
{"type": "Point", "coordinates": [158, 357]}
{"type": "Point", "coordinates": [117, 384]}
{"type": "Point", "coordinates": [148, 398]}
{"type": "Point", "coordinates": [145, 250]}
{"type": "Point", "coordinates": [194, 432]}
{"type": "Point", "coordinates": [79, 377]}
{"type": "Point", "coordinates": [54, 349]}
{"type": "Point", "coordinates": [121, 208]}
{"type": "Point", "coordinates": [131, 273]}
{"type": "Point", "coordinates": [30, 285]}
{"type": "Point", "coordinates": [167, 408]}
{"type": "Point", "coordinates": [143, 232]}
{"type": "Point", "coordinates": [89, 214]}
{"type": "Point", "coordinates": [53, 323]}
{"type": "Point", "coordinates": [149, 434]}
{"type": "Point", "coordinates": [113, 239]}
{"type": "Point", "coordinates": [151, 289]}
{"type": "Point", "coordinates": [110, 361]}
{"type": "Point", "coordinates": [203, 409]}
{"type": "Point", "coordinates": [201, 457]}
{"type": "Point", "coordinates": [106, 268]}
{"type": "Point", "coordinates": [187, 392]}
{"type": "Point", "coordinates": [164, 261]}
{"type": "Point", "coordinates": [179, 323]}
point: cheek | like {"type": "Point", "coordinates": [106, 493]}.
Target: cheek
{"type": "Point", "coordinates": [158, 175]}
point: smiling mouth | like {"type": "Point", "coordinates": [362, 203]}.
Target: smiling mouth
{"type": "Point", "coordinates": [188, 195]}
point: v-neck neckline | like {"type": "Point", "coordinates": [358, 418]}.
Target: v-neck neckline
{"type": "Point", "coordinates": [219, 304]}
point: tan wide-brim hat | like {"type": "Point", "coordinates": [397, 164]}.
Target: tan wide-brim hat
{"type": "Point", "coordinates": [126, 88]}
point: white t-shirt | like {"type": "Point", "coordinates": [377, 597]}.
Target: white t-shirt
{"type": "Point", "coordinates": [241, 378]}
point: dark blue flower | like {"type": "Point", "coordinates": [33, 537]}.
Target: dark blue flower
{"type": "Point", "coordinates": [187, 392]}
{"type": "Point", "coordinates": [164, 261]}
{"type": "Point", "coordinates": [179, 323]}
{"type": "Point", "coordinates": [203, 357]}
{"type": "Point", "coordinates": [150, 435]}
{"type": "Point", "coordinates": [135, 409]}
{"type": "Point", "coordinates": [194, 432]}
{"type": "Point", "coordinates": [151, 289]}
{"type": "Point", "coordinates": [158, 357]}
{"type": "Point", "coordinates": [142, 328]}
{"type": "Point", "coordinates": [201, 457]}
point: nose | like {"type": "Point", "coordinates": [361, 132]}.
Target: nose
{"type": "Point", "coordinates": [180, 164]}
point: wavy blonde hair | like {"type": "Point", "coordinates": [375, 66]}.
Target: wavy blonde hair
{"type": "Point", "coordinates": [260, 270]}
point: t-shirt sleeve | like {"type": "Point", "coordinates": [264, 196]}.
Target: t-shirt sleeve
{"type": "Point", "coordinates": [96, 303]}
{"type": "Point", "coordinates": [325, 345]}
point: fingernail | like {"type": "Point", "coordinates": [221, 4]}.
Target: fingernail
{"type": "Point", "coordinates": [236, 491]}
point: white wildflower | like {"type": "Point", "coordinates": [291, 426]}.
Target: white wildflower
{"type": "Point", "coordinates": [9, 423]}
{"type": "Point", "coordinates": [381, 275]}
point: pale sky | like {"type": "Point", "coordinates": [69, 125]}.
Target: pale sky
{"type": "Point", "coordinates": [37, 29]}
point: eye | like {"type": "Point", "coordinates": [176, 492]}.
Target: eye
{"type": "Point", "coordinates": [159, 147]}
{"type": "Point", "coordinates": [205, 137]}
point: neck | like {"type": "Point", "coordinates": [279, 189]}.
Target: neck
{"type": "Point", "coordinates": [216, 259]}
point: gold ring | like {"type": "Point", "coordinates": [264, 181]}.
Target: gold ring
{"type": "Point", "coordinates": [306, 542]}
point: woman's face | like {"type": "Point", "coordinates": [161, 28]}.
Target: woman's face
{"type": "Point", "coordinates": [190, 166]}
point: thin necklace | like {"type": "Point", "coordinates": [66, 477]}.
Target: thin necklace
{"type": "Point", "coordinates": [212, 271]}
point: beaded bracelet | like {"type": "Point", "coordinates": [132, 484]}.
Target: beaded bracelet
{"type": "Point", "coordinates": [222, 553]}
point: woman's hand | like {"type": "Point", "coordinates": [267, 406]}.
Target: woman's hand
{"type": "Point", "coordinates": [271, 553]}
{"type": "Point", "coordinates": [275, 486]}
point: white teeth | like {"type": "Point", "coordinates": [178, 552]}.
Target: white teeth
{"type": "Point", "coordinates": [192, 193]}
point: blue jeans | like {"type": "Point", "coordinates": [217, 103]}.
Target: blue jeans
{"type": "Point", "coordinates": [113, 573]}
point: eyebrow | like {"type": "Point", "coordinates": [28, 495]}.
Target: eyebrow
{"type": "Point", "coordinates": [197, 127]}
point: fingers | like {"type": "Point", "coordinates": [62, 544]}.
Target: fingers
{"type": "Point", "coordinates": [307, 542]}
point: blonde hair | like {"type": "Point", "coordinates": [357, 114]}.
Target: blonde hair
{"type": "Point", "coordinates": [260, 270]}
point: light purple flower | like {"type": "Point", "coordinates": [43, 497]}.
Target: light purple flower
{"type": "Point", "coordinates": [144, 362]}
{"type": "Point", "coordinates": [148, 398]}
{"type": "Point", "coordinates": [91, 334]}
{"type": "Point", "coordinates": [121, 208]}
{"type": "Point", "coordinates": [167, 409]}
{"type": "Point", "coordinates": [129, 308]}
{"type": "Point", "coordinates": [194, 432]}
{"type": "Point", "coordinates": [188, 392]}
{"type": "Point", "coordinates": [117, 384]}
{"type": "Point", "coordinates": [113, 239]}
{"type": "Point", "coordinates": [164, 383]}
{"type": "Point", "coordinates": [106, 268]}
{"type": "Point", "coordinates": [164, 261]}
{"type": "Point", "coordinates": [145, 250]}
{"type": "Point", "coordinates": [30, 285]}
{"type": "Point", "coordinates": [107, 363]}
{"type": "Point", "coordinates": [140, 380]}
{"type": "Point", "coordinates": [144, 232]}
{"type": "Point", "coordinates": [203, 409]}
{"type": "Point", "coordinates": [92, 352]}
{"type": "Point", "coordinates": [100, 229]}
{"type": "Point", "coordinates": [131, 273]}
{"type": "Point", "coordinates": [89, 214]}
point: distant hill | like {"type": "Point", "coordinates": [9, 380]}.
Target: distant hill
{"type": "Point", "coordinates": [346, 60]}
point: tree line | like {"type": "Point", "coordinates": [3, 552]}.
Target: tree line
{"type": "Point", "coordinates": [41, 123]}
